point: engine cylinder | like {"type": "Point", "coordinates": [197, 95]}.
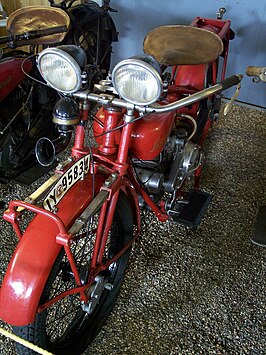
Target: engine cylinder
{"type": "Point", "coordinates": [153, 181]}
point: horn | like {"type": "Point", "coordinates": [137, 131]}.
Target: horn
{"type": "Point", "coordinates": [45, 151]}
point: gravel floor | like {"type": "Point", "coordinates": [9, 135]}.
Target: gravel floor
{"type": "Point", "coordinates": [201, 291]}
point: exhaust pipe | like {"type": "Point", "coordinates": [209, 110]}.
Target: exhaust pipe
{"type": "Point", "coordinates": [65, 116]}
{"type": "Point", "coordinates": [45, 151]}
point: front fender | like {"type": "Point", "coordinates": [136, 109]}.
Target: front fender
{"type": "Point", "coordinates": [35, 255]}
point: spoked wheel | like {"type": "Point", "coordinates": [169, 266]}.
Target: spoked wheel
{"type": "Point", "coordinates": [88, 41]}
{"type": "Point", "coordinates": [68, 326]}
{"type": "Point", "coordinates": [97, 53]}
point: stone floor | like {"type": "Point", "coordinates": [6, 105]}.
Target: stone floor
{"type": "Point", "coordinates": [193, 292]}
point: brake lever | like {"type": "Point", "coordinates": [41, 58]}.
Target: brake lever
{"type": "Point", "coordinates": [233, 98]}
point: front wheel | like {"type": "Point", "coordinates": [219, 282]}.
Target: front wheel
{"type": "Point", "coordinates": [67, 327]}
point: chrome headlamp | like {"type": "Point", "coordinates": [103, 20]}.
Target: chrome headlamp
{"type": "Point", "coordinates": [137, 80]}
{"type": "Point", "coordinates": [61, 67]}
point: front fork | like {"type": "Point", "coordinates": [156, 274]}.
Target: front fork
{"type": "Point", "coordinates": [106, 202]}
{"type": "Point", "coordinates": [107, 179]}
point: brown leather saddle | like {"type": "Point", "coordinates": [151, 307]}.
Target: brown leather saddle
{"type": "Point", "coordinates": [31, 18]}
{"type": "Point", "coordinates": [180, 45]}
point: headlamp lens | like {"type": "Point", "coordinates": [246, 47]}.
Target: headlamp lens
{"type": "Point", "coordinates": [60, 70]}
{"type": "Point", "coordinates": [137, 82]}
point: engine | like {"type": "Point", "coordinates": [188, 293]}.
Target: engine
{"type": "Point", "coordinates": [177, 162]}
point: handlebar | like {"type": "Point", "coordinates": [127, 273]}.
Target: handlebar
{"type": "Point", "coordinates": [259, 72]}
{"type": "Point", "coordinates": [231, 81]}
{"type": "Point", "coordinates": [33, 34]}
{"type": "Point", "coordinates": [254, 71]}
{"type": "Point", "coordinates": [191, 99]}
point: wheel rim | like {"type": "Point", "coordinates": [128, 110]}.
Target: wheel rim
{"type": "Point", "coordinates": [66, 318]}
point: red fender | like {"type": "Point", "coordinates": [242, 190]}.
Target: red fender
{"type": "Point", "coordinates": [35, 254]}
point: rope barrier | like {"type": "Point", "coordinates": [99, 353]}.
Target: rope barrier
{"type": "Point", "coordinates": [24, 342]}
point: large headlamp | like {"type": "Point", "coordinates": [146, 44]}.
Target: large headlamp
{"type": "Point", "coordinates": [61, 67]}
{"type": "Point", "coordinates": [137, 80]}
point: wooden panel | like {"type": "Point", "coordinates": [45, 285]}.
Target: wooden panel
{"type": "Point", "coordinates": [12, 5]}
{"type": "Point", "coordinates": [32, 2]}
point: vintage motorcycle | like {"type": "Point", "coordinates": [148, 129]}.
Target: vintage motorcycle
{"type": "Point", "coordinates": [26, 106]}
{"type": "Point", "coordinates": [258, 236]}
{"type": "Point", "coordinates": [143, 146]}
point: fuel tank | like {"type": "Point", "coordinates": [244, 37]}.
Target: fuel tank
{"type": "Point", "coordinates": [149, 134]}
{"type": "Point", "coordinates": [11, 74]}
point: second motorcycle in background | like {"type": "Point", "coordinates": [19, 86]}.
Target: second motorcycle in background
{"type": "Point", "coordinates": [26, 123]}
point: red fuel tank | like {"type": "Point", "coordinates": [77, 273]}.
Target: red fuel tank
{"type": "Point", "coordinates": [11, 74]}
{"type": "Point", "coordinates": [149, 134]}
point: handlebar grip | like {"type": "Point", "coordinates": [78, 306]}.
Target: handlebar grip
{"type": "Point", "coordinates": [47, 31]}
{"type": "Point", "coordinates": [255, 71]}
{"type": "Point", "coordinates": [4, 39]}
{"type": "Point", "coordinates": [231, 81]}
{"type": "Point", "coordinates": [32, 35]}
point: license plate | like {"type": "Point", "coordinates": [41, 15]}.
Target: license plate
{"type": "Point", "coordinates": [66, 181]}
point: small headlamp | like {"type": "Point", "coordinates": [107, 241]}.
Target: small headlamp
{"type": "Point", "coordinates": [61, 67]}
{"type": "Point", "coordinates": [137, 80]}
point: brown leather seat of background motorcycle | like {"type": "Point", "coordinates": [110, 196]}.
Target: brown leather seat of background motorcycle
{"type": "Point", "coordinates": [177, 44]}
{"type": "Point", "coordinates": [31, 18]}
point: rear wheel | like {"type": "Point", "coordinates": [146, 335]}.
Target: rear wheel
{"type": "Point", "coordinates": [67, 327]}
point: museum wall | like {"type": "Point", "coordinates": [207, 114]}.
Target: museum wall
{"type": "Point", "coordinates": [136, 17]}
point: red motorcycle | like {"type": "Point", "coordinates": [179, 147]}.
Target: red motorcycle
{"type": "Point", "coordinates": [143, 147]}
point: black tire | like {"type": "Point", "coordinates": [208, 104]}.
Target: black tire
{"type": "Point", "coordinates": [65, 328]}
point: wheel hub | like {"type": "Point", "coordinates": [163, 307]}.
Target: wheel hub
{"type": "Point", "coordinates": [100, 284]}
